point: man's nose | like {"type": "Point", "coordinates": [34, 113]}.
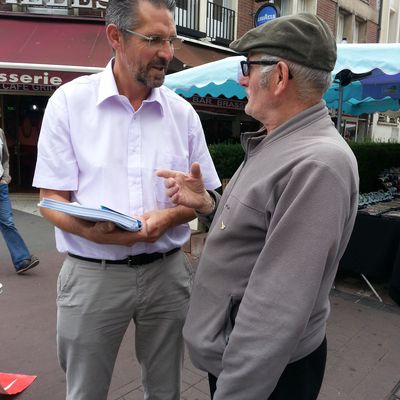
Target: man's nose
{"type": "Point", "coordinates": [166, 51]}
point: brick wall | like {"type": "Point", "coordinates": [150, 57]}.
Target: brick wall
{"type": "Point", "coordinates": [372, 32]}
{"type": "Point", "coordinates": [246, 11]}
{"type": "Point", "coordinates": [326, 9]}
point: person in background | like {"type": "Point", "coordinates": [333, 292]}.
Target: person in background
{"type": "Point", "coordinates": [20, 255]}
{"type": "Point", "coordinates": [260, 301]}
{"type": "Point", "coordinates": [102, 138]}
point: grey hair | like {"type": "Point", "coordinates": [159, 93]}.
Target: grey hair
{"type": "Point", "coordinates": [310, 82]}
{"type": "Point", "coordinates": [125, 13]}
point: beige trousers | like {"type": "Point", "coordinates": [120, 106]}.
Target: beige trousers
{"type": "Point", "coordinates": [95, 306]}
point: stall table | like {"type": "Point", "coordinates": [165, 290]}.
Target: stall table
{"type": "Point", "coordinates": [374, 251]}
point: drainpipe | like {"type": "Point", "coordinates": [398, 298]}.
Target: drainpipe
{"type": "Point", "coordinates": [378, 36]}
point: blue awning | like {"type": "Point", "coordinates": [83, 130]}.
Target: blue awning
{"type": "Point", "coordinates": [378, 92]}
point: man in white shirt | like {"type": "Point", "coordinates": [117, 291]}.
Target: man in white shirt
{"type": "Point", "coordinates": [103, 137]}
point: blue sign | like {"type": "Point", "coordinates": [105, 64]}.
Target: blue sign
{"type": "Point", "coordinates": [265, 13]}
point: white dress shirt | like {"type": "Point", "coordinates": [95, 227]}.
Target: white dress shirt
{"type": "Point", "coordinates": [95, 145]}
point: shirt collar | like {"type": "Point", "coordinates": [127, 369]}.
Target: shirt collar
{"type": "Point", "coordinates": [108, 88]}
{"type": "Point", "coordinates": [155, 99]}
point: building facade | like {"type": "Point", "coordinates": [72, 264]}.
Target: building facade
{"type": "Point", "coordinates": [46, 43]}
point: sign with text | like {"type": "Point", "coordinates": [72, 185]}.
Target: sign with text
{"type": "Point", "coordinates": [266, 13]}
{"type": "Point", "coordinates": [33, 81]}
{"type": "Point", "coordinates": [218, 103]}
{"type": "Point", "coordinates": [97, 4]}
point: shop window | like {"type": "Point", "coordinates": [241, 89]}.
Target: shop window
{"type": "Point", "coordinates": [217, 130]}
{"type": "Point", "coordinates": [22, 121]}
{"type": "Point", "coordinates": [382, 118]}
{"type": "Point", "coordinates": [387, 119]}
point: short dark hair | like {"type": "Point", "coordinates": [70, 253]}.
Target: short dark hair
{"type": "Point", "coordinates": [125, 13]}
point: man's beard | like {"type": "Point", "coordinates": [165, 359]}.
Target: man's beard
{"type": "Point", "coordinates": [150, 79]}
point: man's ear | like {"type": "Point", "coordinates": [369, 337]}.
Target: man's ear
{"type": "Point", "coordinates": [282, 76]}
{"type": "Point", "coordinates": [114, 36]}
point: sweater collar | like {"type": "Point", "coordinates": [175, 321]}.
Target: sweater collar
{"type": "Point", "coordinates": [251, 140]}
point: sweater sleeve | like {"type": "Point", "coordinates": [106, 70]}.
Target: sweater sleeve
{"type": "Point", "coordinates": [293, 273]}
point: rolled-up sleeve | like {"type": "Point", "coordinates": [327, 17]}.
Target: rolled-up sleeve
{"type": "Point", "coordinates": [56, 166]}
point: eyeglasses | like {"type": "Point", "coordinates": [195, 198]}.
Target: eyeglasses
{"type": "Point", "coordinates": [245, 65]}
{"type": "Point", "coordinates": [157, 41]}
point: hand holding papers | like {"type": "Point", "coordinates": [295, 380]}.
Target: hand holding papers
{"type": "Point", "coordinates": [94, 214]}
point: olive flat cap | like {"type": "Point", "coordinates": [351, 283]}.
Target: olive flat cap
{"type": "Point", "coordinates": [303, 38]}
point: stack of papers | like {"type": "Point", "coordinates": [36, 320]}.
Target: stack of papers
{"type": "Point", "coordinates": [94, 214]}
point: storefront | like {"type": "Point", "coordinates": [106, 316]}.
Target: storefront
{"type": "Point", "coordinates": [40, 52]}
{"type": "Point", "coordinates": [223, 119]}
{"type": "Point", "coordinates": [23, 98]}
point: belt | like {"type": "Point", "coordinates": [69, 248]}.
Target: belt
{"type": "Point", "coordinates": [139, 259]}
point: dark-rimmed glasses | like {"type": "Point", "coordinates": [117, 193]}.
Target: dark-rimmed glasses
{"type": "Point", "coordinates": [157, 41]}
{"type": "Point", "coordinates": [245, 65]}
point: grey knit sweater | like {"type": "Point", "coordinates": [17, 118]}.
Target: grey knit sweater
{"type": "Point", "coordinates": [271, 256]}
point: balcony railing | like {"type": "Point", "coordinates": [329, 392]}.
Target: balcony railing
{"type": "Point", "coordinates": [187, 18]}
{"type": "Point", "coordinates": [220, 23]}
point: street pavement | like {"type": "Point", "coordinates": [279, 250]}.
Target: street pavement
{"type": "Point", "coordinates": [363, 335]}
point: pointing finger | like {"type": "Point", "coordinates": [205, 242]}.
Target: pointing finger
{"type": "Point", "coordinates": [165, 173]}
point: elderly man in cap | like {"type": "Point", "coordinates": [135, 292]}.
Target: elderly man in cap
{"type": "Point", "coordinates": [260, 302]}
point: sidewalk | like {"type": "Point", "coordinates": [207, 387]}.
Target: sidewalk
{"type": "Point", "coordinates": [363, 334]}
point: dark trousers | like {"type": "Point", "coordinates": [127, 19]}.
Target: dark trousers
{"type": "Point", "coordinates": [300, 380]}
